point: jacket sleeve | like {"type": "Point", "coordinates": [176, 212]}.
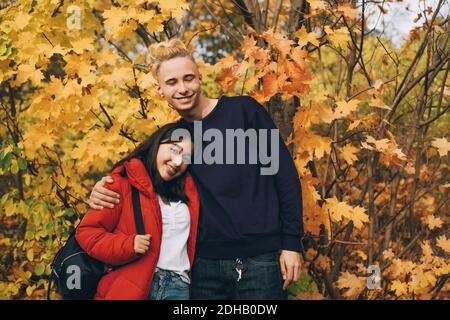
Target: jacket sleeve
{"type": "Point", "coordinates": [95, 233]}
{"type": "Point", "coordinates": [287, 182]}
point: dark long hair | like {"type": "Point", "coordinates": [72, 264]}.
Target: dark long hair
{"type": "Point", "coordinates": [147, 151]}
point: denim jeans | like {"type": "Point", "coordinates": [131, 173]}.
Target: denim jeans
{"type": "Point", "coordinates": [167, 285]}
{"type": "Point", "coordinates": [260, 279]}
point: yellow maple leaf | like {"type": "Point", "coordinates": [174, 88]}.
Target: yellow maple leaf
{"type": "Point", "coordinates": [305, 37]}
{"type": "Point", "coordinates": [313, 144]}
{"type": "Point", "coordinates": [344, 108]}
{"type": "Point", "coordinates": [338, 37]}
{"type": "Point", "coordinates": [172, 4]}
{"type": "Point", "coordinates": [25, 72]}
{"type": "Point", "coordinates": [248, 45]}
{"type": "Point", "coordinates": [144, 16]}
{"type": "Point", "coordinates": [433, 222]}
{"type": "Point", "coordinates": [361, 254]}
{"type": "Point", "coordinates": [251, 83]}
{"type": "Point", "coordinates": [146, 80]}
{"type": "Point", "coordinates": [317, 4]}
{"type": "Point", "coordinates": [58, 49]}
{"type": "Point", "coordinates": [339, 210]}
{"type": "Point", "coordinates": [443, 146]}
{"type": "Point", "coordinates": [388, 254]}
{"type": "Point", "coordinates": [349, 153]}
{"type": "Point", "coordinates": [114, 18]}
{"type": "Point", "coordinates": [21, 20]}
{"type": "Point", "coordinates": [354, 124]}
{"type": "Point", "coordinates": [380, 145]}
{"type": "Point", "coordinates": [278, 41]}
{"type": "Point", "coordinates": [427, 252]}
{"type": "Point", "coordinates": [119, 76]}
{"type": "Point", "coordinates": [336, 209]}
{"type": "Point", "coordinates": [242, 68]}
{"type": "Point", "coordinates": [352, 283]}
{"type": "Point", "coordinates": [82, 44]}
{"type": "Point", "coordinates": [400, 288]}
{"type": "Point", "coordinates": [225, 63]}
{"type": "Point", "coordinates": [443, 243]}
{"type": "Point", "coordinates": [106, 56]}
{"type": "Point", "coordinates": [348, 11]}
{"type": "Point", "coordinates": [358, 216]}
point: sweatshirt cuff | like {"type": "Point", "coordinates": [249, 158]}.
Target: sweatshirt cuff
{"type": "Point", "coordinates": [290, 242]}
{"type": "Point", "coordinates": [129, 246]}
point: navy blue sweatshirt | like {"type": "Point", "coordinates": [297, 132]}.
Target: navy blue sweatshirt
{"type": "Point", "coordinates": [242, 212]}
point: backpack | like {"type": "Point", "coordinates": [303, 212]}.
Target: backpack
{"type": "Point", "coordinates": [71, 260]}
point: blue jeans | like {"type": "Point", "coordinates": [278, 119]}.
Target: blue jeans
{"type": "Point", "coordinates": [260, 279]}
{"type": "Point", "coordinates": [167, 285]}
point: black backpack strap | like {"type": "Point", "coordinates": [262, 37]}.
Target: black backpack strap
{"type": "Point", "coordinates": [137, 211]}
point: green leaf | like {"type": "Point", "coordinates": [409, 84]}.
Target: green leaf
{"type": "Point", "coordinates": [7, 162]}
{"type": "Point", "coordinates": [69, 212]}
{"type": "Point", "coordinates": [304, 284]}
{"type": "Point", "coordinates": [29, 235]}
{"type": "Point", "coordinates": [36, 219]}
{"type": "Point", "coordinates": [22, 164]}
{"type": "Point", "coordinates": [49, 226]}
{"type": "Point", "coordinates": [40, 268]}
{"type": "Point", "coordinates": [16, 150]}
{"type": "Point", "coordinates": [4, 198]}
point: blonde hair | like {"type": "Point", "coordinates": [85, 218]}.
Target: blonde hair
{"type": "Point", "coordinates": [163, 51]}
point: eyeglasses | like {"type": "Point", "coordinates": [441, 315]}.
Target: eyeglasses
{"type": "Point", "coordinates": [177, 151]}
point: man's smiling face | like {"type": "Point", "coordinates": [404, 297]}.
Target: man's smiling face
{"type": "Point", "coordinates": [179, 81]}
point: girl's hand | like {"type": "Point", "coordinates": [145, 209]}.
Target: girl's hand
{"type": "Point", "coordinates": [142, 243]}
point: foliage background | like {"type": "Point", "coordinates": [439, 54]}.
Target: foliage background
{"type": "Point", "coordinates": [366, 121]}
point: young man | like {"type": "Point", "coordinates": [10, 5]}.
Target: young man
{"type": "Point", "coordinates": [250, 224]}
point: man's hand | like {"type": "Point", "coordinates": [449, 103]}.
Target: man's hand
{"type": "Point", "coordinates": [101, 197]}
{"type": "Point", "coordinates": [142, 243]}
{"type": "Point", "coordinates": [290, 267]}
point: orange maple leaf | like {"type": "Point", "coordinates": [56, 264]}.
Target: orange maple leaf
{"type": "Point", "coordinates": [227, 79]}
{"type": "Point", "coordinates": [279, 41]}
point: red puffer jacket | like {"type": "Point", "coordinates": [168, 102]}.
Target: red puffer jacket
{"type": "Point", "coordinates": [108, 234]}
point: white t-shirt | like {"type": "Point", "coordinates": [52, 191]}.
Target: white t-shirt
{"type": "Point", "coordinates": [175, 233]}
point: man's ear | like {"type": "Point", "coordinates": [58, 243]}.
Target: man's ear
{"type": "Point", "coordinates": [158, 88]}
